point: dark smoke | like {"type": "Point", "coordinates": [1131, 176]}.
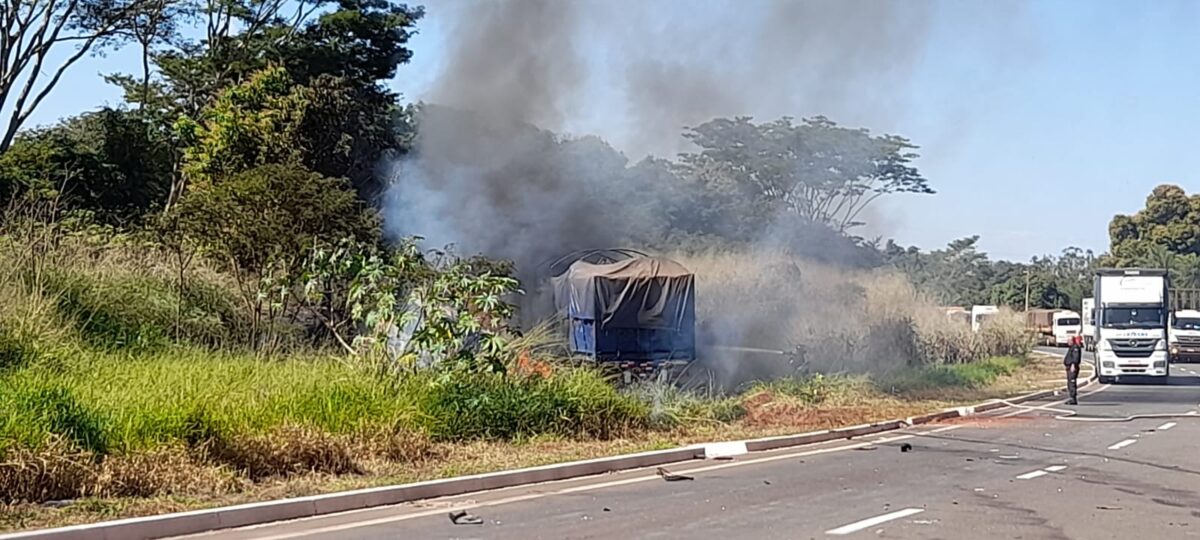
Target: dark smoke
{"type": "Point", "coordinates": [491, 173]}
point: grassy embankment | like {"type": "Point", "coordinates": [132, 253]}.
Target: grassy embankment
{"type": "Point", "coordinates": [123, 397]}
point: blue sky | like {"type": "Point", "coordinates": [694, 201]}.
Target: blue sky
{"type": "Point", "coordinates": [1033, 138]}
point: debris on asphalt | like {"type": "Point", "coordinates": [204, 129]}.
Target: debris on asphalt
{"type": "Point", "coordinates": [977, 490]}
{"type": "Point", "coordinates": [1102, 507]}
{"type": "Point", "coordinates": [671, 477]}
{"type": "Point", "coordinates": [906, 447]}
{"type": "Point", "coordinates": [462, 517]}
{"type": "Point", "coordinates": [970, 459]}
{"type": "Point", "coordinates": [767, 482]}
{"type": "Point", "coordinates": [607, 509]}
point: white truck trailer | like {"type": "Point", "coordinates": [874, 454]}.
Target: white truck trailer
{"type": "Point", "coordinates": [1088, 314]}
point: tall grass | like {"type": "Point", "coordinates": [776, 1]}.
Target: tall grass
{"type": "Point", "coordinates": [839, 320]}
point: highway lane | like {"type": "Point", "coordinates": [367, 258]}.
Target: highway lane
{"type": "Point", "coordinates": [1013, 474]}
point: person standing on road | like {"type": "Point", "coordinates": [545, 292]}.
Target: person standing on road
{"type": "Point", "coordinates": [1072, 360]}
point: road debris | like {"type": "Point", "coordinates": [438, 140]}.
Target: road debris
{"type": "Point", "coordinates": [1102, 507]}
{"type": "Point", "coordinates": [671, 477]}
{"type": "Point", "coordinates": [906, 447]}
{"type": "Point", "coordinates": [462, 517]}
{"type": "Point", "coordinates": [607, 509]}
{"type": "Point", "coordinates": [767, 482]}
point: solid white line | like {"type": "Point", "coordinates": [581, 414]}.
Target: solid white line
{"type": "Point", "coordinates": [1122, 444]}
{"type": "Point", "coordinates": [1166, 426]}
{"type": "Point", "coordinates": [867, 523]}
{"type": "Point", "coordinates": [1056, 468]}
{"type": "Point", "coordinates": [1031, 475]}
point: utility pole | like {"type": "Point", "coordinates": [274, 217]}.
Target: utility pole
{"type": "Point", "coordinates": [1026, 289]}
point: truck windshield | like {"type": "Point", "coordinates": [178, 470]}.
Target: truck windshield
{"type": "Point", "coordinates": [1186, 324]}
{"type": "Point", "coordinates": [1149, 317]}
{"type": "Point", "coordinates": [1067, 322]}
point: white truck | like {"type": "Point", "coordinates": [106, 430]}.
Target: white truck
{"type": "Point", "coordinates": [1088, 313]}
{"type": "Point", "coordinates": [980, 315]}
{"type": "Point", "coordinates": [1184, 337]}
{"type": "Point", "coordinates": [1131, 327]}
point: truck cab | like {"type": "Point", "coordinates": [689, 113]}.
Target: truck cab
{"type": "Point", "coordinates": [1067, 325]}
{"type": "Point", "coordinates": [1088, 328]}
{"type": "Point", "coordinates": [980, 315]}
{"type": "Point", "coordinates": [1184, 336]}
{"type": "Point", "coordinates": [1131, 323]}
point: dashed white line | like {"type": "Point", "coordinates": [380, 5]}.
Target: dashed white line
{"type": "Point", "coordinates": [1122, 444]}
{"type": "Point", "coordinates": [1166, 426]}
{"type": "Point", "coordinates": [1032, 475]}
{"type": "Point", "coordinates": [1055, 468]}
{"type": "Point", "coordinates": [871, 522]}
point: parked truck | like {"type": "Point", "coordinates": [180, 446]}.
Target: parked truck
{"type": "Point", "coordinates": [628, 310]}
{"type": "Point", "coordinates": [1054, 327]}
{"type": "Point", "coordinates": [1132, 309]}
{"type": "Point", "coordinates": [980, 315]}
{"type": "Point", "coordinates": [1087, 312]}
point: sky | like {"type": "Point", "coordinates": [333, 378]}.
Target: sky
{"type": "Point", "coordinates": [1036, 124]}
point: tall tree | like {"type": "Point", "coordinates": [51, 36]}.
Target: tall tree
{"type": "Point", "coordinates": [817, 169]}
{"type": "Point", "coordinates": [31, 31]}
{"type": "Point", "coordinates": [1168, 224]}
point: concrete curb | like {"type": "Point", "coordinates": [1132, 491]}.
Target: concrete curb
{"type": "Point", "coordinates": [199, 521]}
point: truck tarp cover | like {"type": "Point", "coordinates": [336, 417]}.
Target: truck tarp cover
{"type": "Point", "coordinates": [642, 292]}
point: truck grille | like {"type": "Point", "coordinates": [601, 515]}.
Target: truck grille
{"type": "Point", "coordinates": [1133, 348]}
{"type": "Point", "coordinates": [1188, 340]}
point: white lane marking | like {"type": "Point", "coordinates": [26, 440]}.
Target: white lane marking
{"type": "Point", "coordinates": [1166, 426]}
{"type": "Point", "coordinates": [867, 523]}
{"type": "Point", "coordinates": [576, 489]}
{"type": "Point", "coordinates": [1122, 444]}
{"type": "Point", "coordinates": [519, 498]}
{"type": "Point", "coordinates": [1055, 468]}
{"type": "Point", "coordinates": [1031, 475]}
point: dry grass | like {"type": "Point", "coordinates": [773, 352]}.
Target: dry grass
{"type": "Point", "coordinates": [385, 459]}
{"type": "Point", "coordinates": [842, 321]}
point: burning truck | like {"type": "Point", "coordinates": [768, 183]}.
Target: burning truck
{"type": "Point", "coordinates": [626, 309]}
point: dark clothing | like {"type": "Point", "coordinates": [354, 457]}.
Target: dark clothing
{"type": "Point", "coordinates": [1074, 356]}
{"type": "Point", "coordinates": [1072, 360]}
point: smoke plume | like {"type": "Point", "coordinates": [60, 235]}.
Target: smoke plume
{"type": "Point", "coordinates": [492, 173]}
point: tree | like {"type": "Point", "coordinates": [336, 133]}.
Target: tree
{"type": "Point", "coordinates": [823, 172]}
{"type": "Point", "coordinates": [252, 124]}
{"type": "Point", "coordinates": [1168, 224]}
{"type": "Point", "coordinates": [32, 30]}
{"type": "Point", "coordinates": [264, 223]}
{"type": "Point", "coordinates": [114, 164]}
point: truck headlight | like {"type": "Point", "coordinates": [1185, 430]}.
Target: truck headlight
{"type": "Point", "coordinates": [1108, 364]}
{"type": "Point", "coordinates": [1160, 364]}
{"type": "Point", "coordinates": [1174, 349]}
{"type": "Point", "coordinates": [1160, 345]}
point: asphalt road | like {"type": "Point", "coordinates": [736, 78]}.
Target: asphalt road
{"type": "Point", "coordinates": [1013, 474]}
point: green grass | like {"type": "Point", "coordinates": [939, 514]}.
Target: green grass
{"type": "Point", "coordinates": [969, 375]}
{"type": "Point", "coordinates": [130, 403]}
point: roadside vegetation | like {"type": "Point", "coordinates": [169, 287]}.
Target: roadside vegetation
{"type": "Point", "coordinates": [123, 392]}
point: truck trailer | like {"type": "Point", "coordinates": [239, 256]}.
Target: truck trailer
{"type": "Point", "coordinates": [1053, 327]}
{"type": "Point", "coordinates": [1088, 314]}
{"type": "Point", "coordinates": [1132, 316]}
